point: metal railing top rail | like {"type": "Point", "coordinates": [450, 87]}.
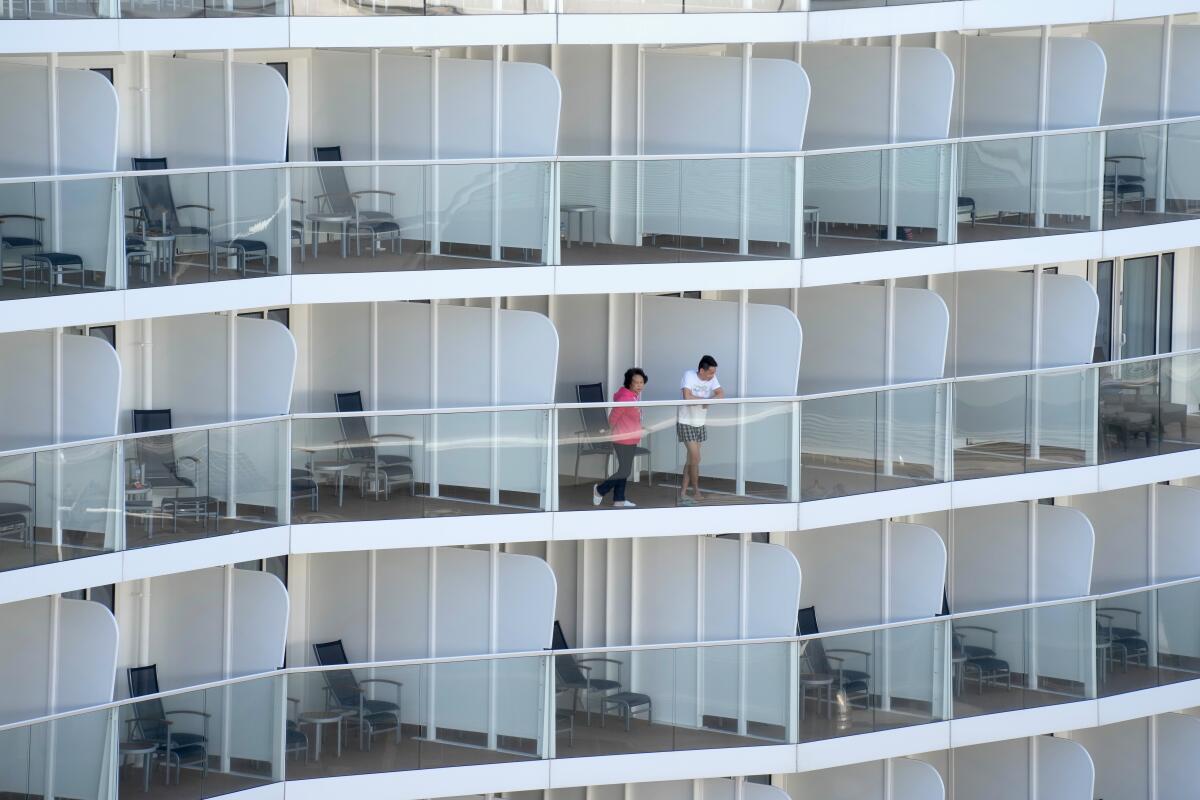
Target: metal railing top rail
{"type": "Point", "coordinates": [733, 401]}
{"type": "Point", "coordinates": [562, 159]}
{"type": "Point", "coordinates": [580, 651]}
{"type": "Point", "coordinates": [122, 437]}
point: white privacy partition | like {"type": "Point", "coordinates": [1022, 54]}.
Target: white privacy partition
{"type": "Point", "coordinates": [1184, 92]}
{"type": "Point", "coordinates": [191, 368]}
{"type": "Point", "coordinates": [84, 666]}
{"type": "Point", "coordinates": [1122, 757]}
{"type": "Point", "coordinates": [452, 586]}
{"type": "Point", "coordinates": [671, 603]}
{"type": "Point", "coordinates": [846, 331]}
{"type": "Point", "coordinates": [90, 380]}
{"type": "Point", "coordinates": [187, 113]}
{"type": "Point", "coordinates": [845, 573]}
{"type": "Point", "coordinates": [851, 102]}
{"type": "Point", "coordinates": [1000, 84]}
{"type": "Point", "coordinates": [87, 121]}
{"type": "Point", "coordinates": [1177, 769]}
{"type": "Point", "coordinates": [1134, 55]}
{"type": "Point", "coordinates": [675, 333]}
{"type": "Point", "coordinates": [1120, 519]}
{"type": "Point", "coordinates": [909, 780]}
{"type": "Point", "coordinates": [1177, 546]}
{"type": "Point", "coordinates": [1003, 770]}
{"type": "Point", "coordinates": [707, 789]}
{"type": "Point", "coordinates": [992, 314]}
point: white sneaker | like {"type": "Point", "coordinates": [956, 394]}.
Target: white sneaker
{"type": "Point", "coordinates": [624, 504]}
{"type": "Point", "coordinates": [597, 498]}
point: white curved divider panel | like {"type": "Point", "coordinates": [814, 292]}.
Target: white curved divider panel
{"type": "Point", "coordinates": [187, 113]}
{"type": "Point", "coordinates": [846, 331]}
{"type": "Point", "coordinates": [260, 602]}
{"type": "Point", "coordinates": [844, 573]}
{"type": "Point", "coordinates": [87, 121]}
{"type": "Point", "coordinates": [1120, 520]}
{"type": "Point", "coordinates": [916, 780]}
{"type": "Point", "coordinates": [1178, 769]}
{"type": "Point", "coordinates": [1184, 100]}
{"type": "Point", "coordinates": [675, 333]}
{"type": "Point", "coordinates": [1177, 550]}
{"type": "Point", "coordinates": [993, 315]}
{"type": "Point", "coordinates": [910, 780]}
{"type": "Point", "coordinates": [526, 600]}
{"type": "Point", "coordinates": [1134, 56]}
{"type": "Point", "coordinates": [1066, 542]}
{"type": "Point", "coordinates": [1121, 757]}
{"type": "Point", "coordinates": [851, 88]}
{"type": "Point", "coordinates": [261, 110]}
{"type": "Point", "coordinates": [83, 671]}
{"type": "Point", "coordinates": [1065, 770]}
{"type": "Point", "coordinates": [1000, 84]}
{"type": "Point", "coordinates": [91, 388]}
{"type": "Point", "coordinates": [266, 368]}
{"type": "Point", "coordinates": [91, 383]}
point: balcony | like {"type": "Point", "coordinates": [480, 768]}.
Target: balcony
{"type": "Point", "coordinates": [1041, 667]}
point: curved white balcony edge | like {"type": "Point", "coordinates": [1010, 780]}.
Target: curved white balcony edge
{"type": "Point", "coordinates": [109, 35]}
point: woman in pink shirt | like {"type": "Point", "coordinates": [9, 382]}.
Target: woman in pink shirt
{"type": "Point", "coordinates": [625, 425]}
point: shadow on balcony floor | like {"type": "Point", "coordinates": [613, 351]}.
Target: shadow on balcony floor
{"type": "Point", "coordinates": [454, 501]}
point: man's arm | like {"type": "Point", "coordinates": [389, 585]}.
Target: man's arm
{"type": "Point", "coordinates": [687, 394]}
{"type": "Point", "coordinates": [719, 392]}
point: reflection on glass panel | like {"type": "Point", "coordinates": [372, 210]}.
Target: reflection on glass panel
{"type": "Point", "coordinates": [745, 452]}
{"type": "Point", "coordinates": [177, 9]}
{"type": "Point", "coordinates": [367, 8]}
{"type": "Point", "coordinates": [1147, 408]}
{"type": "Point", "coordinates": [1139, 306]}
{"type": "Point", "coordinates": [990, 427]}
{"type": "Point", "coordinates": [409, 466]}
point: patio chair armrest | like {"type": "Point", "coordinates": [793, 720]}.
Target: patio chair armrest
{"type": "Point", "coordinates": [20, 482]}
{"type": "Point", "coordinates": [297, 200]}
{"type": "Point", "coordinates": [975, 628]}
{"type": "Point", "coordinates": [397, 684]}
{"type": "Point", "coordinates": [33, 217]}
{"type": "Point", "coordinates": [602, 660]}
{"type": "Point", "coordinates": [155, 721]}
{"type": "Point", "coordinates": [192, 459]}
{"type": "Point", "coordinates": [194, 205]}
{"type": "Point", "coordinates": [848, 650]}
{"type": "Point", "coordinates": [373, 191]}
{"type": "Point", "coordinates": [204, 714]}
{"type": "Point", "coordinates": [378, 436]}
{"type": "Point", "coordinates": [1135, 612]}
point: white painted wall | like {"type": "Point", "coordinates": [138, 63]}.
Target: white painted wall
{"type": "Point", "coordinates": [1178, 742]}
{"type": "Point", "coordinates": [1120, 519]}
{"type": "Point", "coordinates": [1121, 755]}
{"type": "Point", "coordinates": [1000, 770]}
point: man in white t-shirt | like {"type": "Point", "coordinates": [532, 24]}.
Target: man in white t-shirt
{"type": "Point", "coordinates": [698, 384]}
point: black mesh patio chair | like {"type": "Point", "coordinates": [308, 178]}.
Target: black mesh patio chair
{"type": "Point", "coordinates": [155, 455]}
{"type": "Point", "coordinates": [337, 199]}
{"type": "Point", "coordinates": [821, 661]}
{"type": "Point", "coordinates": [981, 659]}
{"type": "Point", "coordinates": [304, 487]}
{"type": "Point", "coordinates": [344, 692]}
{"type": "Point", "coordinates": [153, 723]}
{"type": "Point", "coordinates": [575, 674]}
{"type": "Point", "coordinates": [1128, 642]}
{"type": "Point", "coordinates": [359, 446]}
{"type": "Point", "coordinates": [593, 439]}
{"type": "Point", "coordinates": [158, 213]}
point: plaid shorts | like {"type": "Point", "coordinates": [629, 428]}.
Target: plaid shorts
{"type": "Point", "coordinates": [691, 433]}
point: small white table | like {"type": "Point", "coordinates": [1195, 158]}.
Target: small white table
{"type": "Point", "coordinates": [813, 214]}
{"type": "Point", "coordinates": [334, 469]}
{"type": "Point", "coordinates": [321, 718]}
{"type": "Point", "coordinates": [577, 212]}
{"type": "Point", "coordinates": [139, 747]}
{"type": "Point", "coordinates": [315, 221]}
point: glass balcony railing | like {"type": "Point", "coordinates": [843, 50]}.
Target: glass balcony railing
{"type": "Point", "coordinates": [62, 503]}
{"type": "Point", "coordinates": [62, 235]}
{"type": "Point", "coordinates": [324, 722]}
{"type": "Point", "coordinates": [410, 466]}
{"type": "Point", "coordinates": [69, 501]}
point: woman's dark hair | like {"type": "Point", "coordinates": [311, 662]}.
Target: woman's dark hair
{"type": "Point", "coordinates": [706, 362]}
{"type": "Point", "coordinates": [631, 372]}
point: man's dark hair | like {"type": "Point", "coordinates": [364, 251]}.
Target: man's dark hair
{"type": "Point", "coordinates": [630, 373]}
{"type": "Point", "coordinates": [706, 362]}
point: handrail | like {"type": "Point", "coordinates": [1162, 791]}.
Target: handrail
{"type": "Point", "coordinates": [580, 651]}
{"type": "Point", "coordinates": [498, 409]}
{"type": "Point", "coordinates": [600, 158]}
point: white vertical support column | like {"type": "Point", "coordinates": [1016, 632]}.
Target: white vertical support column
{"type": "Point", "coordinates": [372, 589]}
{"type": "Point", "coordinates": [614, 144]}
{"type": "Point", "coordinates": [226, 663]}
{"type": "Point", "coordinates": [635, 605]}
{"type": "Point", "coordinates": [638, 317]}
{"type": "Point", "coordinates": [373, 353]}
{"type": "Point", "coordinates": [797, 196]}
{"type": "Point", "coordinates": [743, 389]}
{"type": "Point", "coordinates": [494, 417]}
{"type": "Point", "coordinates": [497, 63]}
{"type": "Point", "coordinates": [435, 152]}
{"type": "Point", "coordinates": [1032, 775]}
{"type": "Point", "coordinates": [54, 148]}
{"type": "Point", "coordinates": [431, 634]}
{"type": "Point", "coordinates": [56, 423]}
{"type": "Point", "coordinates": [610, 342]}
{"type": "Point", "coordinates": [1164, 111]}
{"type": "Point", "coordinates": [230, 147]}
{"type": "Point", "coordinates": [744, 166]}
{"type": "Point", "coordinates": [892, 156]}
{"type": "Point", "coordinates": [143, 596]}
{"type": "Point", "coordinates": [493, 641]}
{"type": "Point", "coordinates": [889, 374]}
{"type": "Point", "coordinates": [52, 692]}
{"type": "Point", "coordinates": [431, 420]}
{"type": "Point", "coordinates": [1039, 149]}
{"type": "Point", "coordinates": [375, 124]}
{"type": "Point", "coordinates": [1031, 628]}
{"type": "Point", "coordinates": [885, 613]}
{"type": "Point", "coordinates": [1034, 382]}
{"type": "Point", "coordinates": [889, 779]}
{"type": "Point", "coordinates": [743, 630]}
{"type": "Point", "coordinates": [146, 139]}
{"type": "Point", "coordinates": [231, 433]}
{"type": "Point", "coordinates": [951, 216]}
{"type": "Point", "coordinates": [1152, 757]}
{"type": "Point", "coordinates": [1152, 571]}
{"type": "Point", "coordinates": [640, 188]}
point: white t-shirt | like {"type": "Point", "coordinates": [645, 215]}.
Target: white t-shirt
{"type": "Point", "coordinates": [695, 415]}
